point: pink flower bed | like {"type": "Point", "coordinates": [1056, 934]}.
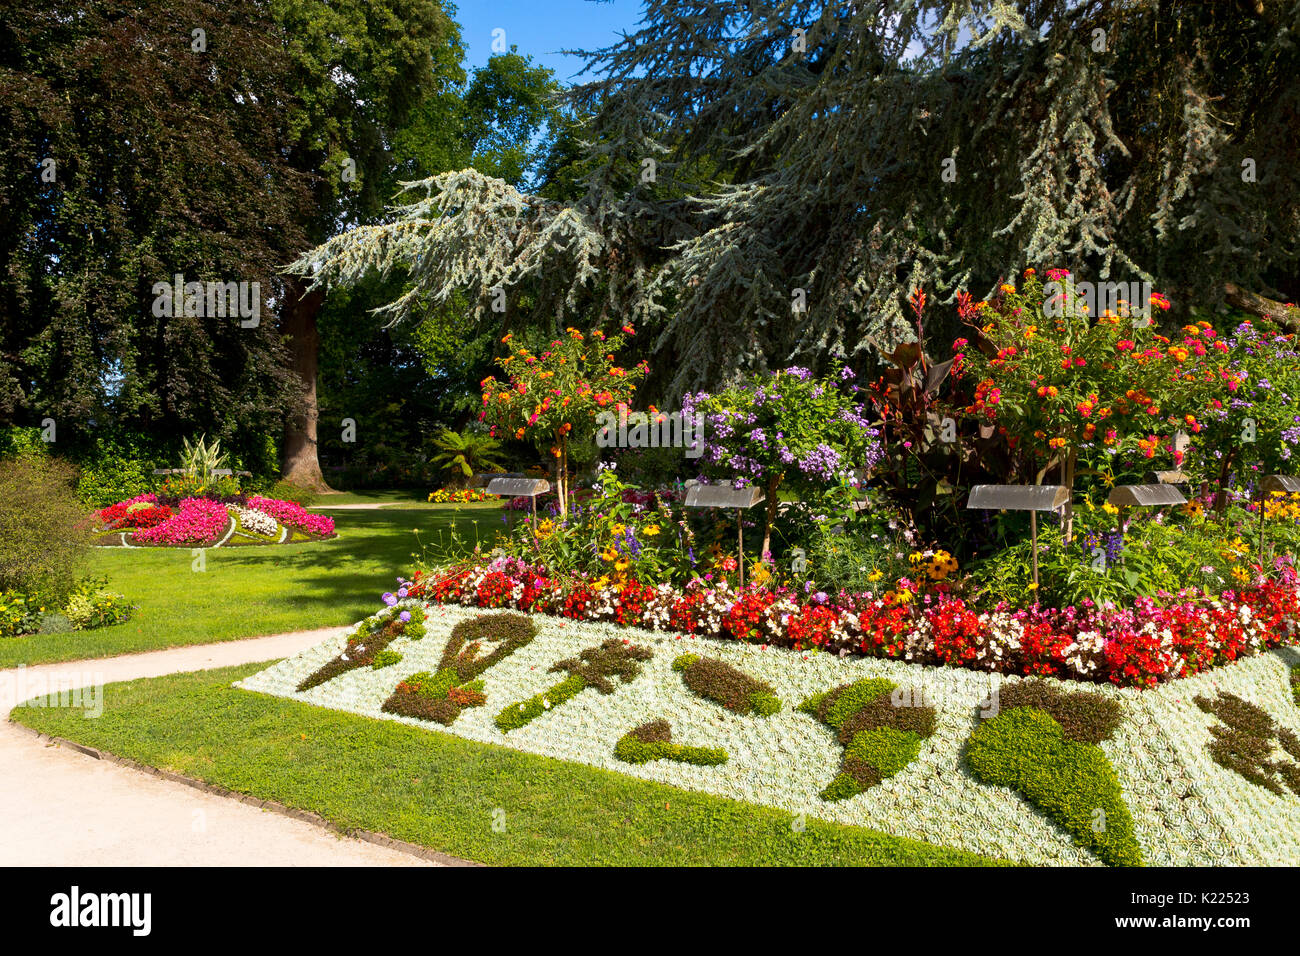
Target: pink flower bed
{"type": "Point", "coordinates": [1137, 646]}
{"type": "Point", "coordinates": [198, 521]}
{"type": "Point", "coordinates": [286, 512]}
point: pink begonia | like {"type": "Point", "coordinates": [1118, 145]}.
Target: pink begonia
{"type": "Point", "coordinates": [286, 512]}
{"type": "Point", "coordinates": [197, 521]}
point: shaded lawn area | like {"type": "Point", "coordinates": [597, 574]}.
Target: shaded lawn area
{"type": "Point", "coordinates": [253, 591]}
{"type": "Point", "coordinates": [378, 496]}
{"type": "Point", "coordinates": [444, 792]}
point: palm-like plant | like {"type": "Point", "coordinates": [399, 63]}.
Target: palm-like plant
{"type": "Point", "coordinates": [201, 460]}
{"type": "Point", "coordinates": [465, 453]}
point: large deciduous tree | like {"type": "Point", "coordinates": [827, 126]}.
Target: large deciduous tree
{"type": "Point", "coordinates": [363, 68]}
{"type": "Point", "coordinates": [139, 150]}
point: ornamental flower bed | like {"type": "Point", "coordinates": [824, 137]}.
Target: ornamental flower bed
{"type": "Point", "coordinates": [148, 521]}
{"type": "Point", "coordinates": [1140, 645]}
{"type": "Point", "coordinates": [294, 515]}
{"type": "Point", "coordinates": [861, 740]}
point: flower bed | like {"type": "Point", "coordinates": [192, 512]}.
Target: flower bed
{"type": "Point", "coordinates": [294, 515]}
{"type": "Point", "coordinates": [198, 521]}
{"type": "Point", "coordinates": [1142, 645]}
{"type": "Point", "coordinates": [202, 521]}
{"type": "Point", "coordinates": [459, 496]}
{"type": "Point", "coordinates": [1150, 757]}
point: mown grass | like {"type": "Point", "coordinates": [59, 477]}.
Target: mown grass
{"type": "Point", "coordinates": [446, 793]}
{"type": "Point", "coordinates": [252, 591]}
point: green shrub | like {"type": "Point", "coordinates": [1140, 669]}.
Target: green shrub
{"type": "Point", "coordinates": [18, 615]}
{"type": "Point", "coordinates": [44, 530]}
{"type": "Point", "coordinates": [1295, 684]}
{"type": "Point", "coordinates": [17, 441]}
{"type": "Point", "coordinates": [653, 741]}
{"type": "Point", "coordinates": [115, 468]}
{"type": "Point", "coordinates": [92, 605]}
{"type": "Point", "coordinates": [887, 749]}
{"type": "Point", "coordinates": [288, 491]}
{"type": "Point", "coordinates": [835, 706]}
{"type": "Point", "coordinates": [1026, 749]}
{"type": "Point", "coordinates": [1087, 718]}
{"type": "Point", "coordinates": [53, 622]}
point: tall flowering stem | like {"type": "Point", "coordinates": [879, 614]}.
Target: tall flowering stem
{"type": "Point", "coordinates": [786, 429]}
{"type": "Point", "coordinates": [544, 398]}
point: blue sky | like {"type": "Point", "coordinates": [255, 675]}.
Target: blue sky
{"type": "Point", "coordinates": [540, 28]}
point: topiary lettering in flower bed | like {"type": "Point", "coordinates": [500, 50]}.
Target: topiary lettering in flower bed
{"type": "Point", "coordinates": [653, 740]}
{"type": "Point", "coordinates": [365, 645]}
{"type": "Point", "coordinates": [1244, 743]}
{"type": "Point", "coordinates": [594, 667]}
{"type": "Point", "coordinates": [443, 695]}
{"type": "Point", "coordinates": [720, 682]}
{"type": "Point", "coordinates": [1043, 743]}
{"type": "Point", "coordinates": [881, 731]}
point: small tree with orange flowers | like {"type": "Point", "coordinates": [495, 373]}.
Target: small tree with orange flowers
{"type": "Point", "coordinates": [544, 398]}
{"type": "Point", "coordinates": [1067, 388]}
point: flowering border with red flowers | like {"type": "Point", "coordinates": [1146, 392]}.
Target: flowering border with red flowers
{"type": "Point", "coordinates": [1140, 645]}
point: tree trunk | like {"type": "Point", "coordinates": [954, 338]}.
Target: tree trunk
{"type": "Point", "coordinates": [1287, 316]}
{"type": "Point", "coordinates": [299, 462]}
{"type": "Point", "coordinates": [769, 518]}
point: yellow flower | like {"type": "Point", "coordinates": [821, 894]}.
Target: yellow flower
{"type": "Point", "coordinates": [875, 575]}
{"type": "Point", "coordinates": [622, 564]}
{"type": "Point", "coordinates": [1109, 508]}
{"type": "Point", "coordinates": [651, 531]}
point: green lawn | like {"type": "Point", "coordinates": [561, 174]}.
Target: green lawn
{"type": "Point", "coordinates": [252, 591]}
{"type": "Point", "coordinates": [384, 497]}
{"type": "Point", "coordinates": [444, 792]}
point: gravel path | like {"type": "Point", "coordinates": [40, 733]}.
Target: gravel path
{"type": "Point", "coordinates": [59, 807]}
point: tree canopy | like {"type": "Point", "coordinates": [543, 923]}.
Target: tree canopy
{"type": "Point", "coordinates": [764, 182]}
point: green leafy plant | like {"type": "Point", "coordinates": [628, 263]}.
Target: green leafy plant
{"type": "Point", "coordinates": [880, 726]}
{"type": "Point", "coordinates": [443, 695]}
{"type": "Point", "coordinates": [17, 614]}
{"type": "Point", "coordinates": [385, 658]}
{"type": "Point", "coordinates": [595, 667]}
{"type": "Point", "coordinates": [44, 530]}
{"type": "Point", "coordinates": [201, 460]}
{"type": "Point", "coordinates": [466, 453]}
{"type": "Point", "coordinates": [1057, 766]}
{"type": "Point", "coordinates": [653, 740]}
{"type": "Point", "coordinates": [92, 605]}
